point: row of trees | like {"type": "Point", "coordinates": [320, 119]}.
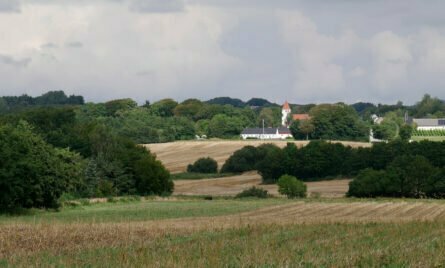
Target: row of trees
{"type": "Point", "coordinates": [167, 120]}
{"type": "Point", "coordinates": [320, 159]}
{"type": "Point", "coordinates": [396, 169]}
{"type": "Point", "coordinates": [16, 103]}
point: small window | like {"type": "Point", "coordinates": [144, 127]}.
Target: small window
{"type": "Point", "coordinates": [441, 122]}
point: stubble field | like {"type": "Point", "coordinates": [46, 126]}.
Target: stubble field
{"type": "Point", "coordinates": [177, 155]}
{"type": "Point", "coordinates": [184, 230]}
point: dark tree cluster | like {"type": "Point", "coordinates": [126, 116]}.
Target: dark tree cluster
{"type": "Point", "coordinates": [320, 159]}
{"type": "Point", "coordinates": [406, 176]}
{"type": "Point", "coordinates": [203, 165]}
{"type": "Point", "coordinates": [51, 98]}
{"type": "Point", "coordinates": [95, 160]}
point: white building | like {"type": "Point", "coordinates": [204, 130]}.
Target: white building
{"type": "Point", "coordinates": [429, 124]}
{"type": "Point", "coordinates": [280, 133]}
{"type": "Point", "coordinates": [285, 112]}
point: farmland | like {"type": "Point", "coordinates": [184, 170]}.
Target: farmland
{"type": "Point", "coordinates": [188, 230]}
{"type": "Point", "coordinates": [235, 184]}
{"type": "Point", "coordinates": [431, 135]}
{"type": "Point", "coordinates": [194, 232]}
{"type": "Point", "coordinates": [177, 155]}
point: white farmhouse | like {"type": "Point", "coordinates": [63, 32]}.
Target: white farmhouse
{"type": "Point", "coordinates": [280, 133]}
{"type": "Point", "coordinates": [429, 124]}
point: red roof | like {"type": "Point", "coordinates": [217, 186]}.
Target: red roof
{"type": "Point", "coordinates": [286, 106]}
{"type": "Point", "coordinates": [301, 117]}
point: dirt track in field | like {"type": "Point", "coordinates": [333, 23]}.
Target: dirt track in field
{"type": "Point", "coordinates": [177, 155]}
{"type": "Point", "coordinates": [236, 184]}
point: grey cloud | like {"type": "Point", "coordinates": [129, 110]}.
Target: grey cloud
{"type": "Point", "coordinates": [145, 73]}
{"type": "Point", "coordinates": [157, 6]}
{"type": "Point", "coordinates": [49, 45]}
{"type": "Point", "coordinates": [74, 44]}
{"type": "Point", "coordinates": [9, 6]}
{"type": "Point", "coordinates": [8, 60]}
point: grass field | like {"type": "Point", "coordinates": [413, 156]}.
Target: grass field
{"type": "Point", "coordinates": [220, 233]}
{"type": "Point", "coordinates": [177, 155]}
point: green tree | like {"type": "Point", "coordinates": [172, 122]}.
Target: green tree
{"type": "Point", "coordinates": [429, 107]}
{"type": "Point", "coordinates": [33, 173]}
{"type": "Point", "coordinates": [222, 126]}
{"type": "Point", "coordinates": [301, 129]}
{"type": "Point", "coordinates": [114, 106]}
{"type": "Point", "coordinates": [188, 108]}
{"type": "Point", "coordinates": [203, 165]}
{"type": "Point", "coordinates": [337, 122]}
{"type": "Point", "coordinates": [3, 105]}
{"type": "Point", "coordinates": [271, 117]}
{"type": "Point", "coordinates": [164, 107]}
{"type": "Point", "coordinates": [369, 183]}
{"type": "Point", "coordinates": [242, 160]}
{"type": "Point", "coordinates": [291, 187]}
{"type": "Point", "coordinates": [405, 132]}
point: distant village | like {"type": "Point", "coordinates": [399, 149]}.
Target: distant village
{"type": "Point", "coordinates": [283, 132]}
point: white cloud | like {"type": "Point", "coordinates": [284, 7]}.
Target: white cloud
{"type": "Point", "coordinates": [392, 57]}
{"type": "Point", "coordinates": [357, 72]}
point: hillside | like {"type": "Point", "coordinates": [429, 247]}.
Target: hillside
{"type": "Point", "coordinates": [177, 155]}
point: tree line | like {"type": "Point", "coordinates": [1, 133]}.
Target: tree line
{"type": "Point", "coordinates": [419, 164]}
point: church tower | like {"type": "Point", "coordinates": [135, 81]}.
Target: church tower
{"type": "Point", "coordinates": [285, 111]}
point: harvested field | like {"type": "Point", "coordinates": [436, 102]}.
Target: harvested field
{"type": "Point", "coordinates": [177, 155]}
{"type": "Point", "coordinates": [28, 238]}
{"type": "Point", "coordinates": [234, 185]}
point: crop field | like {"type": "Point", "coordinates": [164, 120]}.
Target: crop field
{"type": "Point", "coordinates": [235, 184]}
{"type": "Point", "coordinates": [226, 232]}
{"type": "Point", "coordinates": [177, 155]}
{"type": "Point", "coordinates": [186, 230]}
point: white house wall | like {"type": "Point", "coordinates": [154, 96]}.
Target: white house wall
{"type": "Point", "coordinates": [431, 128]}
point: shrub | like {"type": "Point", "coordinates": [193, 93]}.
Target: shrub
{"type": "Point", "coordinates": [253, 192]}
{"type": "Point", "coordinates": [368, 183]}
{"type": "Point", "coordinates": [203, 165]}
{"type": "Point", "coordinates": [291, 187]}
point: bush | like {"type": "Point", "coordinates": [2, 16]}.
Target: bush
{"type": "Point", "coordinates": [368, 183]}
{"type": "Point", "coordinates": [204, 165]}
{"type": "Point", "coordinates": [253, 192]}
{"type": "Point", "coordinates": [291, 187]}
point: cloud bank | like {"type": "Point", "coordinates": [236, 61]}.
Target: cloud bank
{"type": "Point", "coordinates": [302, 51]}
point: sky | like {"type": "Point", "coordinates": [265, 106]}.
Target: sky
{"type": "Point", "coordinates": [303, 51]}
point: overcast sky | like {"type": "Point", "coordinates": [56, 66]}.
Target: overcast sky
{"type": "Point", "coordinates": [301, 51]}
